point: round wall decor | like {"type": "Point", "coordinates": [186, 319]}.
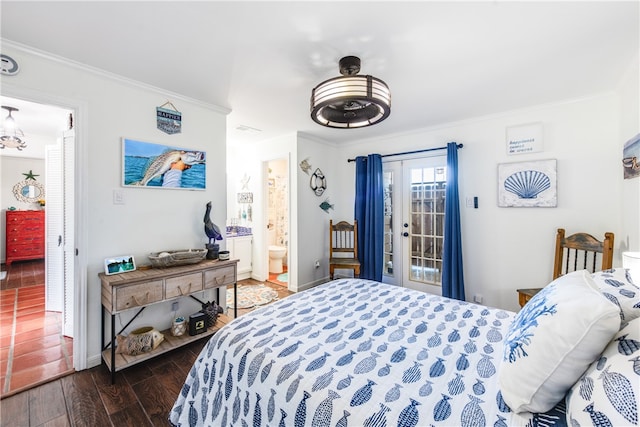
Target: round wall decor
{"type": "Point", "coordinates": [8, 66]}
{"type": "Point", "coordinates": [318, 182]}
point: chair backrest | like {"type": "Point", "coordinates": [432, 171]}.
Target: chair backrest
{"type": "Point", "coordinates": [582, 251]}
{"type": "Point", "coordinates": [343, 239]}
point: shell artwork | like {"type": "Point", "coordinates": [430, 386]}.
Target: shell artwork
{"type": "Point", "coordinates": [527, 184]}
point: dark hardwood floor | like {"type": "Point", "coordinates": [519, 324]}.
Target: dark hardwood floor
{"type": "Point", "coordinates": [143, 394]}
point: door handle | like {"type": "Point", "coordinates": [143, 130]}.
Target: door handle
{"type": "Point", "coordinates": [59, 240]}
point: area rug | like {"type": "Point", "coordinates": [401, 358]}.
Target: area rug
{"type": "Point", "coordinates": [251, 296]}
{"type": "Point", "coordinates": [284, 277]}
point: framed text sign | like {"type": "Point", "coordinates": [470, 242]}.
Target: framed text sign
{"type": "Point", "coordinates": [524, 139]}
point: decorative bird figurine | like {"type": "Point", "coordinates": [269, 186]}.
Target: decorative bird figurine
{"type": "Point", "coordinates": [211, 230]}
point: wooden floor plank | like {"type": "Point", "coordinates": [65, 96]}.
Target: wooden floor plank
{"type": "Point", "coordinates": [156, 404]}
{"type": "Point", "coordinates": [131, 416]}
{"type": "Point", "coordinates": [170, 377]}
{"type": "Point", "coordinates": [14, 410]}
{"type": "Point", "coordinates": [116, 397]}
{"type": "Point", "coordinates": [46, 403]}
{"type": "Point", "coordinates": [83, 403]}
{"type": "Point", "coordinates": [61, 421]}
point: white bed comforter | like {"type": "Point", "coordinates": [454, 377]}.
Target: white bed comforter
{"type": "Point", "coordinates": [354, 353]}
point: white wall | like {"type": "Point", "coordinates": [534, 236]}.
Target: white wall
{"type": "Point", "coordinates": [11, 172]}
{"type": "Point", "coordinates": [509, 248]}
{"type": "Point", "coordinates": [630, 127]}
{"type": "Point", "coordinates": [313, 222]}
{"type": "Point", "coordinates": [151, 220]}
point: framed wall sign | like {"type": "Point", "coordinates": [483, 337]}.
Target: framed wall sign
{"type": "Point", "coordinates": [169, 119]}
{"type": "Point", "coordinates": [528, 184]}
{"type": "Point", "coordinates": [524, 139]}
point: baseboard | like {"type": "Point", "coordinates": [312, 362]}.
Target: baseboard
{"type": "Point", "coordinates": [313, 284]}
{"type": "Point", "coordinates": [93, 361]}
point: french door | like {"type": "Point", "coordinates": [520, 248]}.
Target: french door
{"type": "Point", "coordinates": [414, 192]}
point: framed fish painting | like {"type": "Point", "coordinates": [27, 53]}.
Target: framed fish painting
{"type": "Point", "coordinates": [528, 184]}
{"type": "Point", "coordinates": [146, 164]}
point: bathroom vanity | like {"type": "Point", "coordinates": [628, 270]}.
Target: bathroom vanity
{"type": "Point", "coordinates": [240, 247]}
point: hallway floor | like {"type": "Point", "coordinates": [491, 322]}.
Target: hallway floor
{"type": "Point", "coordinates": [32, 347]}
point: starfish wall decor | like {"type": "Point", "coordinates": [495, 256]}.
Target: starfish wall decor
{"type": "Point", "coordinates": [30, 175]}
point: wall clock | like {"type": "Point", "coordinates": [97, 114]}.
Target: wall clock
{"type": "Point", "coordinates": [9, 66]}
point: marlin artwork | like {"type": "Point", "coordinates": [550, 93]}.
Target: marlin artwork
{"type": "Point", "coordinates": [163, 162]}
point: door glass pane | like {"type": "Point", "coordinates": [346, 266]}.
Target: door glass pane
{"type": "Point", "coordinates": [388, 223]}
{"type": "Point", "coordinates": [427, 223]}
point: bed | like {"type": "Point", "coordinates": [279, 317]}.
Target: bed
{"type": "Point", "coordinates": [354, 352]}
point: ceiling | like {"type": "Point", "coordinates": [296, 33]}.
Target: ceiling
{"type": "Point", "coordinates": [443, 61]}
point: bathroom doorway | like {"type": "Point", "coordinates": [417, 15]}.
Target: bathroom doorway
{"type": "Point", "coordinates": [277, 220]}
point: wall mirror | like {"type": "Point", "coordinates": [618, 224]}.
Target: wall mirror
{"type": "Point", "coordinates": [28, 191]}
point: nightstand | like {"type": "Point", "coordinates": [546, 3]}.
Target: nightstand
{"type": "Point", "coordinates": [524, 295]}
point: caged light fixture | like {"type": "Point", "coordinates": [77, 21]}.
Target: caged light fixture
{"type": "Point", "coordinates": [350, 101]}
{"type": "Point", "coordinates": [11, 135]}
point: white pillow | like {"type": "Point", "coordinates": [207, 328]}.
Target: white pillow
{"type": "Point", "coordinates": [617, 285]}
{"type": "Point", "coordinates": [552, 341]}
{"type": "Point", "coordinates": [611, 385]}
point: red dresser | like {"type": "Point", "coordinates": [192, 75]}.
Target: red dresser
{"type": "Point", "coordinates": [25, 235]}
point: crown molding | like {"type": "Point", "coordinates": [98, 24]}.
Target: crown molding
{"type": "Point", "coordinates": [109, 75]}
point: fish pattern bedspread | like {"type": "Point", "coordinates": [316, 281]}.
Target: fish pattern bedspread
{"type": "Point", "coordinates": [354, 352]}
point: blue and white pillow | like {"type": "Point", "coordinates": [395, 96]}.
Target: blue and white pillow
{"type": "Point", "coordinates": [552, 341]}
{"type": "Point", "coordinates": [609, 391]}
{"type": "Point", "coordinates": [617, 285]}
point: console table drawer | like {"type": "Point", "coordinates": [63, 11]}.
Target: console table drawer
{"type": "Point", "coordinates": [220, 277]}
{"type": "Point", "coordinates": [138, 295]}
{"type": "Point", "coordinates": [183, 285]}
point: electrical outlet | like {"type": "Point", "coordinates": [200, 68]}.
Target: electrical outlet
{"type": "Point", "coordinates": [174, 306]}
{"type": "Point", "coordinates": [477, 298]}
{"type": "Point", "coordinates": [317, 264]}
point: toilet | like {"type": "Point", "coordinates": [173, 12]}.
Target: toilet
{"type": "Point", "coordinates": [276, 254]}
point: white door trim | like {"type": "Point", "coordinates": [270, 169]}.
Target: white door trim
{"type": "Point", "coordinates": [80, 111]}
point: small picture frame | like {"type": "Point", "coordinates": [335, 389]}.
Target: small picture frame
{"type": "Point", "coordinates": [119, 264]}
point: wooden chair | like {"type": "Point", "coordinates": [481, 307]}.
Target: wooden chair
{"type": "Point", "coordinates": [580, 251]}
{"type": "Point", "coordinates": [343, 247]}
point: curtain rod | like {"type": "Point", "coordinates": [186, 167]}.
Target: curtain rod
{"type": "Point", "coordinates": [411, 152]}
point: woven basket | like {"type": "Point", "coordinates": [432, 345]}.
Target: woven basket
{"type": "Point", "coordinates": [173, 258]}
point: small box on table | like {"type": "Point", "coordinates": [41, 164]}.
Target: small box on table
{"type": "Point", "coordinates": [197, 323]}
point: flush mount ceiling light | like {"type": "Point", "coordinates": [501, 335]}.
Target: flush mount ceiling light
{"type": "Point", "coordinates": [11, 135]}
{"type": "Point", "coordinates": [350, 101]}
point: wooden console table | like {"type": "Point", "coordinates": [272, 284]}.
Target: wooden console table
{"type": "Point", "coordinates": [140, 288]}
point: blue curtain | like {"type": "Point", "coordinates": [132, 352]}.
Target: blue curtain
{"type": "Point", "coordinates": [452, 276]}
{"type": "Point", "coordinates": [369, 211]}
